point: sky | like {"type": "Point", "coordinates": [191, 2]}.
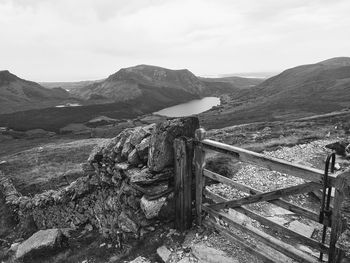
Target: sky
{"type": "Point", "coordinates": [71, 40]}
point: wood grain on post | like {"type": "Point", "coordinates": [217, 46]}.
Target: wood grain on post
{"type": "Point", "coordinates": [199, 162]}
{"type": "Point", "coordinates": [339, 224]}
{"type": "Point", "coordinates": [183, 148]}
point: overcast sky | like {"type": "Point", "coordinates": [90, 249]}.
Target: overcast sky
{"type": "Point", "coordinates": [66, 40]}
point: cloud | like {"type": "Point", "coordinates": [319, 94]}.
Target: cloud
{"type": "Point", "coordinates": [71, 40]}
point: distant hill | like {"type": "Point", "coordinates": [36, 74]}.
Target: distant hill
{"type": "Point", "coordinates": [163, 85]}
{"type": "Point", "coordinates": [17, 94]}
{"type": "Point", "coordinates": [228, 84]}
{"type": "Point", "coordinates": [301, 91]}
{"type": "Point", "coordinates": [135, 82]}
{"type": "Point", "coordinates": [325, 84]}
{"type": "Point", "coordinates": [238, 82]}
{"type": "Point", "coordinates": [69, 86]}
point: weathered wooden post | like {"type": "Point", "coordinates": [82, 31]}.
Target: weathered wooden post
{"type": "Point", "coordinates": [199, 162]}
{"type": "Point", "coordinates": [340, 216]}
{"type": "Point", "coordinates": [183, 148]}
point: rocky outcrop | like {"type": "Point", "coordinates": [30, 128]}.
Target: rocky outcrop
{"type": "Point", "coordinates": [118, 193]}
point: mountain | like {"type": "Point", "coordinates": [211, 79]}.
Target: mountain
{"type": "Point", "coordinates": [300, 91]}
{"type": "Point", "coordinates": [159, 85]}
{"type": "Point", "coordinates": [162, 84]}
{"type": "Point", "coordinates": [17, 94]}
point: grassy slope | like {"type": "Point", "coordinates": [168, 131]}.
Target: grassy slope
{"type": "Point", "coordinates": [42, 166]}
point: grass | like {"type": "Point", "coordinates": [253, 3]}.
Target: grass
{"type": "Point", "coordinates": [43, 167]}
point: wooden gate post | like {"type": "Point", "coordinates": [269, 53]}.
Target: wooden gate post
{"type": "Point", "coordinates": [340, 215]}
{"type": "Point", "coordinates": [199, 163]}
{"type": "Point", "coordinates": [183, 148]}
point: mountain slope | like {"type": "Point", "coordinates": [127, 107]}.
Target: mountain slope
{"type": "Point", "coordinates": [17, 94]}
{"type": "Point", "coordinates": [134, 82]}
{"type": "Point", "coordinates": [301, 91]}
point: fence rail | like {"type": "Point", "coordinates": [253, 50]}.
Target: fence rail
{"type": "Point", "coordinates": [270, 163]}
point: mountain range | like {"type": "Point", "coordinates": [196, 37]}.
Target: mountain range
{"type": "Point", "coordinates": [156, 85]}
{"type": "Point", "coordinates": [300, 91]}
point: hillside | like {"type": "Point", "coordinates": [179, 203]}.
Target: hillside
{"type": "Point", "coordinates": [17, 94]}
{"type": "Point", "coordinates": [134, 82]}
{"type": "Point", "coordinates": [301, 91]}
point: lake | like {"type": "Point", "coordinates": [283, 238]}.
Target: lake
{"type": "Point", "coordinates": [190, 108]}
{"type": "Point", "coordinates": [68, 105]}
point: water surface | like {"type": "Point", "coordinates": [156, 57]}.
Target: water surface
{"type": "Point", "coordinates": [190, 108]}
{"type": "Point", "coordinates": [68, 105]}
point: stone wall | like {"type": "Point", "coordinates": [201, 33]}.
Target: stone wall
{"type": "Point", "coordinates": [126, 188]}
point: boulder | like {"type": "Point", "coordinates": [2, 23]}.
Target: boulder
{"type": "Point", "coordinates": [137, 136]}
{"type": "Point", "coordinates": [124, 135]}
{"type": "Point", "coordinates": [42, 240]}
{"type": "Point", "coordinates": [161, 152]}
{"type": "Point", "coordinates": [151, 208]}
{"type": "Point", "coordinates": [142, 148]}
{"type": "Point", "coordinates": [133, 158]}
{"type": "Point", "coordinates": [211, 255]}
{"type": "Point", "coordinates": [127, 148]}
{"type": "Point", "coordinates": [164, 253]}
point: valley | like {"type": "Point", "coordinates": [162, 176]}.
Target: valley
{"type": "Point", "coordinates": [291, 116]}
{"type": "Point", "coordinates": [137, 91]}
{"type": "Point", "coordinates": [128, 94]}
